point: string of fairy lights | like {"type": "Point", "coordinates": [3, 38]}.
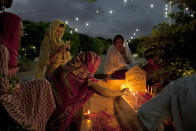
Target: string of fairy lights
{"type": "Point", "coordinates": [97, 11]}
{"type": "Point", "coordinates": [187, 9]}
{"type": "Point", "coordinates": [76, 25]}
{"type": "Point", "coordinates": [168, 10]}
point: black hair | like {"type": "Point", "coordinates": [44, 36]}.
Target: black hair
{"type": "Point", "coordinates": [61, 25]}
{"type": "Point", "coordinates": [148, 54]}
{"type": "Point", "coordinates": [104, 52]}
{"type": "Point", "coordinates": [117, 37]}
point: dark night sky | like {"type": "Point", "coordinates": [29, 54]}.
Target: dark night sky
{"type": "Point", "coordinates": [113, 17]}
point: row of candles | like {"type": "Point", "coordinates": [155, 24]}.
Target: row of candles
{"type": "Point", "coordinates": [148, 91]}
{"type": "Point", "coordinates": [136, 99]}
{"type": "Point", "coordinates": [133, 98]}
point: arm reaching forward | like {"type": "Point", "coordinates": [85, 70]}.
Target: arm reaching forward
{"type": "Point", "coordinates": [104, 91]}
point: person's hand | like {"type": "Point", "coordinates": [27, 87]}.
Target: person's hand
{"type": "Point", "coordinates": [17, 86]}
{"type": "Point", "coordinates": [167, 121]}
{"type": "Point", "coordinates": [48, 62]}
{"type": "Point", "coordinates": [58, 54]}
{"type": "Point", "coordinates": [106, 79]}
{"type": "Point", "coordinates": [125, 91]}
{"type": "Point", "coordinates": [67, 45]}
{"type": "Point", "coordinates": [12, 71]}
{"type": "Point", "coordinates": [156, 85]}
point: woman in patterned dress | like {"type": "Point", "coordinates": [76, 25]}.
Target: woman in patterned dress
{"type": "Point", "coordinates": [73, 84]}
{"type": "Point", "coordinates": [31, 103]}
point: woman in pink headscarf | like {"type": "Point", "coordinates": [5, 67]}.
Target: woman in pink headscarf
{"type": "Point", "coordinates": [30, 103]}
{"type": "Point", "coordinates": [73, 84]}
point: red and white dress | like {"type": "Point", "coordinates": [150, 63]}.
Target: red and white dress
{"type": "Point", "coordinates": [31, 103]}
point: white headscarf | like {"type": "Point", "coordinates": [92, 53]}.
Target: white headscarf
{"type": "Point", "coordinates": [114, 60]}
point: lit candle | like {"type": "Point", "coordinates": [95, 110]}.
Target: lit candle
{"type": "Point", "coordinates": [133, 98]}
{"type": "Point", "coordinates": [134, 94]}
{"type": "Point", "coordinates": [88, 124]}
{"type": "Point", "coordinates": [131, 95]}
{"type": "Point", "coordinates": [86, 114]}
{"type": "Point", "coordinates": [136, 102]}
{"type": "Point", "coordinates": [123, 86]}
{"type": "Point", "coordinates": [88, 121]}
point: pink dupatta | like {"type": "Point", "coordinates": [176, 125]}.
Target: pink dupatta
{"type": "Point", "coordinates": [70, 88]}
{"type": "Point", "coordinates": [10, 35]}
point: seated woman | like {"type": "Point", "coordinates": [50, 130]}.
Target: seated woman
{"type": "Point", "coordinates": [30, 104]}
{"type": "Point", "coordinates": [53, 51]}
{"type": "Point", "coordinates": [118, 59]}
{"type": "Point", "coordinates": [150, 68]}
{"type": "Point", "coordinates": [73, 84]}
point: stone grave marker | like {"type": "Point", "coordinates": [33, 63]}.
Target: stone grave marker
{"type": "Point", "coordinates": [135, 79]}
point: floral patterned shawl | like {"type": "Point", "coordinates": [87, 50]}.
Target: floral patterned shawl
{"type": "Point", "coordinates": [70, 88]}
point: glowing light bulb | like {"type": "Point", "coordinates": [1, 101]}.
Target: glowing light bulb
{"type": "Point", "coordinates": [87, 24]}
{"type": "Point", "coordinates": [110, 11]}
{"type": "Point", "coordinates": [137, 30]}
{"type": "Point", "coordinates": [66, 22]}
{"type": "Point", "coordinates": [76, 30]}
{"type": "Point", "coordinates": [97, 11]}
{"type": "Point", "coordinates": [77, 18]}
{"type": "Point", "coordinates": [151, 6]}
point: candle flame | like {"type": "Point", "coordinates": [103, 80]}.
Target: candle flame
{"type": "Point", "coordinates": [88, 121]}
{"type": "Point", "coordinates": [88, 112]}
{"type": "Point", "coordinates": [123, 86]}
{"type": "Point", "coordinates": [133, 93]}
